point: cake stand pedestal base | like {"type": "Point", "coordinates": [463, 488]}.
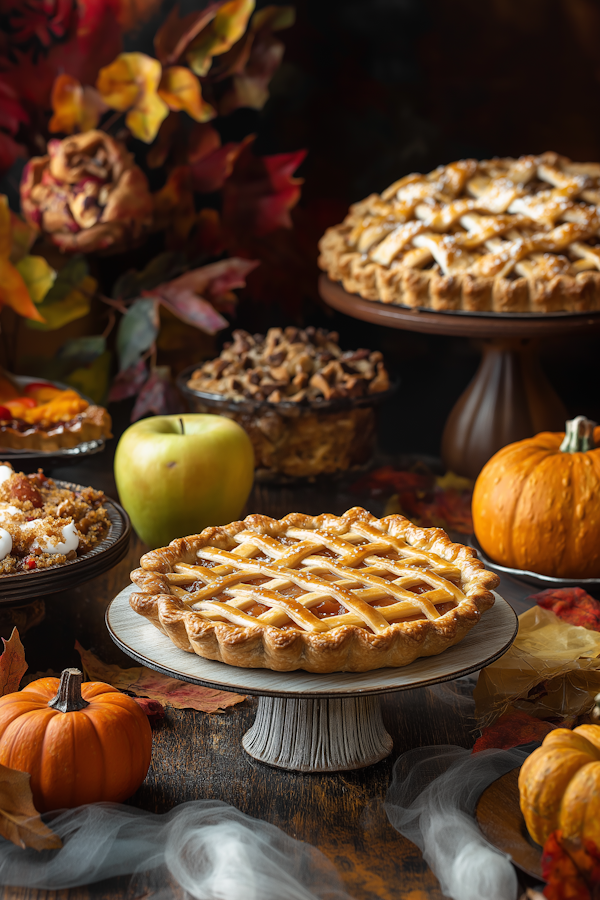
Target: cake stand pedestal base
{"type": "Point", "coordinates": [329, 735]}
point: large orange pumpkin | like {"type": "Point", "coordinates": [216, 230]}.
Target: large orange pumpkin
{"type": "Point", "coordinates": [536, 503]}
{"type": "Point", "coordinates": [80, 743]}
{"type": "Point", "coordinates": [559, 786]}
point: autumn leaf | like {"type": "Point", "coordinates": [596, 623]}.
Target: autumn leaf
{"type": "Point", "coordinates": [512, 730]}
{"type": "Point", "coordinates": [12, 664]}
{"type": "Point", "coordinates": [38, 275]}
{"type": "Point", "coordinates": [23, 236]}
{"type": "Point", "coordinates": [180, 89]}
{"type": "Point", "coordinates": [174, 207]}
{"type": "Point", "coordinates": [158, 395]}
{"type": "Point", "coordinates": [260, 192]}
{"type": "Point", "coordinates": [210, 172]}
{"type": "Point", "coordinates": [176, 32]}
{"type": "Point", "coordinates": [13, 290]}
{"type": "Point", "coordinates": [92, 380]}
{"type": "Point", "coordinates": [182, 296]}
{"type": "Point", "coordinates": [68, 299]}
{"type": "Point", "coordinates": [137, 331]}
{"type": "Point", "coordinates": [20, 822]}
{"type": "Point", "coordinates": [222, 32]}
{"type": "Point", "coordinates": [147, 683]}
{"type": "Point", "coordinates": [129, 382]}
{"type": "Point", "coordinates": [257, 62]}
{"type": "Point", "coordinates": [75, 108]}
{"type": "Point", "coordinates": [130, 84]}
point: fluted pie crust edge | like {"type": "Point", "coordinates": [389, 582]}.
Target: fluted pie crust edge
{"type": "Point", "coordinates": [348, 648]}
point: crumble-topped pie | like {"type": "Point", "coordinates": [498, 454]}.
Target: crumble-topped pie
{"type": "Point", "coordinates": [324, 594]}
{"type": "Point", "coordinates": [45, 417]}
{"type": "Point", "coordinates": [306, 404]}
{"type": "Point", "coordinates": [501, 235]}
{"type": "Point", "coordinates": [43, 524]}
{"type": "Point", "coordinates": [292, 364]}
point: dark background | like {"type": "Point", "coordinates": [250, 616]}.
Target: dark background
{"type": "Point", "coordinates": [379, 88]}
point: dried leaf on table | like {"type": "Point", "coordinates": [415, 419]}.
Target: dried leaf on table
{"type": "Point", "coordinates": [571, 873]}
{"type": "Point", "coordinates": [219, 35]}
{"type": "Point", "coordinates": [130, 83]}
{"type": "Point", "coordinates": [552, 670]}
{"type": "Point", "coordinates": [153, 709]}
{"type": "Point", "coordinates": [20, 822]}
{"type": "Point", "coordinates": [12, 664]}
{"type": "Point", "coordinates": [75, 108]}
{"type": "Point", "coordinates": [259, 194]}
{"type": "Point", "coordinates": [573, 605]}
{"type": "Point", "coordinates": [147, 683]}
{"type": "Point", "coordinates": [158, 395]}
{"type": "Point", "coordinates": [512, 730]}
{"type": "Point", "coordinates": [181, 90]}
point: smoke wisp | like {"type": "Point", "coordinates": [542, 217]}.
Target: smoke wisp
{"type": "Point", "coordinates": [431, 802]}
{"type": "Point", "coordinates": [205, 847]}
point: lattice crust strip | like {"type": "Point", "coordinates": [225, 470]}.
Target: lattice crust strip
{"type": "Point", "coordinates": [387, 577]}
{"type": "Point", "coordinates": [503, 235]}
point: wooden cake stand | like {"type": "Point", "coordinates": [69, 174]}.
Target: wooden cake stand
{"type": "Point", "coordinates": [509, 398]}
{"type": "Point", "coordinates": [306, 722]}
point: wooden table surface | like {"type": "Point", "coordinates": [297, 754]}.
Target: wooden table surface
{"type": "Point", "coordinates": [199, 756]}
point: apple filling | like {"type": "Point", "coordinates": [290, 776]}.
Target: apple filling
{"type": "Point", "coordinates": [317, 582]}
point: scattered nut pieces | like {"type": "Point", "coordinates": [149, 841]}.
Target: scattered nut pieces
{"type": "Point", "coordinates": [292, 365]}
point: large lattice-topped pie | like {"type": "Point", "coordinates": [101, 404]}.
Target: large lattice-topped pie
{"type": "Point", "coordinates": [501, 235]}
{"type": "Point", "coordinates": [324, 594]}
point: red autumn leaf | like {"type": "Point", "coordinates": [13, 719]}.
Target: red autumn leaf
{"type": "Point", "coordinates": [396, 480]}
{"type": "Point", "coordinates": [194, 311]}
{"type": "Point", "coordinates": [12, 664]}
{"type": "Point", "coordinates": [129, 382]}
{"type": "Point", "coordinates": [176, 32]}
{"type": "Point", "coordinates": [213, 169]}
{"type": "Point", "coordinates": [572, 605]}
{"type": "Point", "coordinates": [511, 730]}
{"type": "Point", "coordinates": [202, 141]}
{"type": "Point", "coordinates": [153, 709]}
{"type": "Point", "coordinates": [158, 395]}
{"type": "Point", "coordinates": [571, 873]}
{"type": "Point", "coordinates": [260, 192]}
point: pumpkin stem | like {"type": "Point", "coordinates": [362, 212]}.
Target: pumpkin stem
{"type": "Point", "coordinates": [68, 697]}
{"type": "Point", "coordinates": [579, 435]}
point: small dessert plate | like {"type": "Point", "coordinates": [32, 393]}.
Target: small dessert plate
{"type": "Point", "coordinates": [592, 585]}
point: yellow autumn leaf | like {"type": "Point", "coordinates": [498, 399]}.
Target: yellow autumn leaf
{"type": "Point", "coordinates": [180, 89]}
{"type": "Point", "coordinates": [130, 82]}
{"type": "Point", "coordinates": [14, 293]}
{"type": "Point", "coordinates": [38, 276]}
{"type": "Point", "coordinates": [220, 34]}
{"type": "Point", "coordinates": [75, 305]}
{"type": "Point", "coordinates": [75, 108]}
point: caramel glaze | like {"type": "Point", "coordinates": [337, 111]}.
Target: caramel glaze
{"type": "Point", "coordinates": [27, 428]}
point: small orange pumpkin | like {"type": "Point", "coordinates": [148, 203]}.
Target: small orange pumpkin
{"type": "Point", "coordinates": [559, 786]}
{"type": "Point", "coordinates": [80, 743]}
{"type": "Point", "coordinates": [536, 503]}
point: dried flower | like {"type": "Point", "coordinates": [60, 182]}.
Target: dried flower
{"type": "Point", "coordinates": [86, 194]}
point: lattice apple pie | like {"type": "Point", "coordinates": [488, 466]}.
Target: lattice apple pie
{"type": "Point", "coordinates": [501, 235]}
{"type": "Point", "coordinates": [324, 594]}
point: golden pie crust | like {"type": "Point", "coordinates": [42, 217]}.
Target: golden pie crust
{"type": "Point", "coordinates": [500, 235]}
{"type": "Point", "coordinates": [94, 423]}
{"type": "Point", "coordinates": [314, 593]}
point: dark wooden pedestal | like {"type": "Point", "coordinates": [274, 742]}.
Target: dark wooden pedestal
{"type": "Point", "coordinates": [509, 398]}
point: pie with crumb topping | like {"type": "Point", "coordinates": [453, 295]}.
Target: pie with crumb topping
{"type": "Point", "coordinates": [500, 235]}
{"type": "Point", "coordinates": [324, 594]}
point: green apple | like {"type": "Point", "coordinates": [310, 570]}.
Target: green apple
{"type": "Point", "coordinates": [178, 474]}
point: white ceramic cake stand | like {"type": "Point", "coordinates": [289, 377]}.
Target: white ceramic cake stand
{"type": "Point", "coordinates": [306, 722]}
